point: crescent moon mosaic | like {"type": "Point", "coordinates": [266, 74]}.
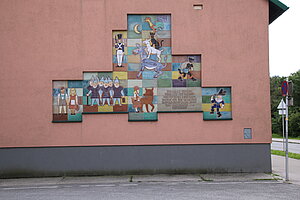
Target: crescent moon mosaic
{"type": "Point", "coordinates": [136, 29]}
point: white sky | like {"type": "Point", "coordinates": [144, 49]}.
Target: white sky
{"type": "Point", "coordinates": [284, 41]}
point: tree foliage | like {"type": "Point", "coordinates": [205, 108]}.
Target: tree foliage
{"type": "Point", "coordinates": [294, 111]}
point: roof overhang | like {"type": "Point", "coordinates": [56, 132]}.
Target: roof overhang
{"type": "Point", "coordinates": [276, 8]}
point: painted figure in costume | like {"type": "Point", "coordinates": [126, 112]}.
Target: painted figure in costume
{"type": "Point", "coordinates": [94, 91]}
{"type": "Point", "coordinates": [101, 84]}
{"type": "Point", "coordinates": [106, 92]}
{"type": "Point", "coordinates": [117, 92]}
{"type": "Point", "coordinates": [136, 100]}
{"type": "Point", "coordinates": [62, 101]}
{"type": "Point", "coordinates": [217, 102]}
{"type": "Point", "coordinates": [73, 101]}
{"type": "Point", "coordinates": [119, 46]}
{"type": "Point", "coordinates": [185, 70]}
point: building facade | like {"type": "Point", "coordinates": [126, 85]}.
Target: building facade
{"type": "Point", "coordinates": [118, 87]}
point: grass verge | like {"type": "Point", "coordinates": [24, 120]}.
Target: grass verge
{"type": "Point", "coordinates": [282, 153]}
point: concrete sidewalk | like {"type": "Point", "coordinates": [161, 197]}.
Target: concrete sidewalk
{"type": "Point", "coordinates": [278, 165]}
{"type": "Point", "coordinates": [160, 178]}
{"type": "Point", "coordinates": [276, 176]}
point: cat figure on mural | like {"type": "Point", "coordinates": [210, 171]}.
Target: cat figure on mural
{"type": "Point", "coordinates": [147, 63]}
{"type": "Point", "coordinates": [154, 42]}
{"type": "Point", "coordinates": [217, 102]}
{"type": "Point", "coordinates": [94, 90]}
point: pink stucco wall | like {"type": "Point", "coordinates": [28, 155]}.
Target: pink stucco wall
{"type": "Point", "coordinates": [45, 40]}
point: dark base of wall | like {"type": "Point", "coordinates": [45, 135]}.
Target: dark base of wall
{"type": "Point", "coordinates": [120, 160]}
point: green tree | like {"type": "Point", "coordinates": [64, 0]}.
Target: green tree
{"type": "Point", "coordinates": [294, 111]}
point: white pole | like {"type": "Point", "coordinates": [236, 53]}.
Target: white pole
{"type": "Point", "coordinates": [283, 135]}
{"type": "Point", "coordinates": [286, 139]}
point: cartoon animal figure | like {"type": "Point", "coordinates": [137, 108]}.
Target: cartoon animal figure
{"type": "Point", "coordinates": [147, 99]}
{"type": "Point", "coordinates": [106, 92]}
{"type": "Point", "coordinates": [62, 101]}
{"type": "Point", "coordinates": [185, 69]}
{"type": "Point", "coordinates": [119, 46]}
{"type": "Point", "coordinates": [147, 63]}
{"type": "Point", "coordinates": [117, 92]}
{"type": "Point", "coordinates": [73, 101]}
{"type": "Point", "coordinates": [152, 50]}
{"type": "Point", "coordinates": [94, 90]}
{"type": "Point", "coordinates": [154, 43]}
{"type": "Point", "coordinates": [217, 102]}
{"type": "Point", "coordinates": [154, 27]}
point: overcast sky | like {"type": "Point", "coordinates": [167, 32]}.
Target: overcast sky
{"type": "Point", "coordinates": [284, 40]}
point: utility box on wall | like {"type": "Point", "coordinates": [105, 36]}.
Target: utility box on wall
{"type": "Point", "coordinates": [114, 87]}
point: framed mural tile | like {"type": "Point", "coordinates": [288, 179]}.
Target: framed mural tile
{"type": "Point", "coordinates": [151, 116]}
{"type": "Point", "coordinates": [166, 51]}
{"type": "Point", "coordinates": [193, 83]}
{"type": "Point", "coordinates": [166, 58]}
{"type": "Point", "coordinates": [133, 42]}
{"type": "Point", "coordinates": [60, 117]}
{"type": "Point", "coordinates": [150, 83]}
{"type": "Point", "coordinates": [59, 84]}
{"type": "Point", "coordinates": [106, 108]}
{"type": "Point", "coordinates": [125, 59]}
{"type": "Point", "coordinates": [134, 67]}
{"type": "Point", "coordinates": [163, 83]}
{"type": "Point", "coordinates": [133, 75]}
{"type": "Point", "coordinates": [165, 75]}
{"type": "Point", "coordinates": [216, 103]}
{"type": "Point", "coordinates": [197, 66]}
{"type": "Point", "coordinates": [175, 67]}
{"type": "Point", "coordinates": [175, 74]}
{"type": "Point", "coordinates": [178, 83]}
{"type": "Point", "coordinates": [124, 67]}
{"type": "Point", "coordinates": [66, 102]}
{"type": "Point", "coordinates": [134, 59]}
{"type": "Point", "coordinates": [196, 74]}
{"type": "Point", "coordinates": [148, 74]}
{"type": "Point", "coordinates": [166, 42]}
{"type": "Point", "coordinates": [132, 83]}
{"type": "Point", "coordinates": [168, 67]}
{"type": "Point", "coordinates": [132, 116]}
{"type": "Point", "coordinates": [125, 50]}
{"type": "Point", "coordinates": [120, 75]}
{"type": "Point", "coordinates": [164, 34]}
{"type": "Point", "coordinates": [118, 108]}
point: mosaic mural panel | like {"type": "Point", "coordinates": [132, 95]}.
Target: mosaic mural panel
{"type": "Point", "coordinates": [146, 79]}
{"type": "Point", "coordinates": [67, 101]}
{"type": "Point", "coordinates": [216, 103]}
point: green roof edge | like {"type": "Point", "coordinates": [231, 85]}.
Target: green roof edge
{"type": "Point", "coordinates": [276, 8]}
{"type": "Point", "coordinates": [280, 4]}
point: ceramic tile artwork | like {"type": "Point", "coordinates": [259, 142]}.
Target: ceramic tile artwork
{"type": "Point", "coordinates": [216, 103]}
{"type": "Point", "coordinates": [67, 101]}
{"type": "Point", "coordinates": [145, 79]}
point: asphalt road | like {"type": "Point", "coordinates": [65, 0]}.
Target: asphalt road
{"type": "Point", "coordinates": [294, 148]}
{"type": "Point", "coordinates": [156, 190]}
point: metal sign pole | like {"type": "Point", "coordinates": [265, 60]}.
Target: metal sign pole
{"type": "Point", "coordinates": [283, 135]}
{"type": "Point", "coordinates": [286, 140]}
